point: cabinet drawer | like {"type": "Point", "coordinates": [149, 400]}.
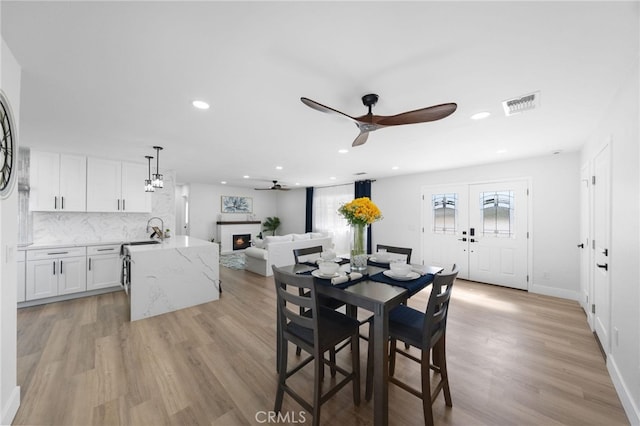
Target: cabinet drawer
{"type": "Point", "coordinates": [56, 253]}
{"type": "Point", "coordinates": [106, 249]}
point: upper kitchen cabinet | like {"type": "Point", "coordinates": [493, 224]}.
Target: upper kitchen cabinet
{"type": "Point", "coordinates": [58, 182]}
{"type": "Point", "coordinates": [115, 186]}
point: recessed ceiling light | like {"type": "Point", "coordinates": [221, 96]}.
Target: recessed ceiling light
{"type": "Point", "coordinates": [278, 167]}
{"type": "Point", "coordinates": [297, 183]}
{"type": "Point", "coordinates": [200, 104]}
{"type": "Point", "coordinates": [480, 115]}
{"type": "Point", "coordinates": [343, 151]}
{"type": "Point", "coordinates": [224, 182]}
{"type": "Point", "coordinates": [332, 178]}
{"type": "Point", "coordinates": [501, 151]}
{"type": "Point", "coordinates": [246, 176]}
{"type": "Point", "coordinates": [395, 168]}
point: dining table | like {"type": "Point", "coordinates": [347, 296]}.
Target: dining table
{"type": "Point", "coordinates": [377, 292]}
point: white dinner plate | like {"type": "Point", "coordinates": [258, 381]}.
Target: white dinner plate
{"type": "Point", "coordinates": [375, 259]}
{"type": "Point", "coordinates": [410, 276]}
{"type": "Point", "coordinates": [316, 273]}
{"type": "Point", "coordinates": [335, 259]}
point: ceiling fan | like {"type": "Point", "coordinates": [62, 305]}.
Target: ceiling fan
{"type": "Point", "coordinates": [369, 122]}
{"type": "Point", "coordinates": [276, 187]}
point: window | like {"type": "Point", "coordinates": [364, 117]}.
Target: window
{"type": "Point", "coordinates": [496, 209]}
{"type": "Point", "coordinates": [445, 213]}
{"type": "Point", "coordinates": [326, 202]}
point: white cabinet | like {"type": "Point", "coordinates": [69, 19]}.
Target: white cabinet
{"type": "Point", "coordinates": [115, 186]}
{"type": "Point", "coordinates": [58, 182]}
{"type": "Point", "coordinates": [22, 275]}
{"type": "Point", "coordinates": [103, 266]}
{"type": "Point", "coordinates": [55, 272]}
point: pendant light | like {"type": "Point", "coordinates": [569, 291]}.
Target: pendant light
{"type": "Point", "coordinates": [148, 185]}
{"type": "Point", "coordinates": [157, 177]}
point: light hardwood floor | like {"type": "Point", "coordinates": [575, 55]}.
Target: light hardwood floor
{"type": "Point", "coordinates": [514, 359]}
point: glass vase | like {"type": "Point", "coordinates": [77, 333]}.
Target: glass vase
{"type": "Point", "coordinates": [358, 254]}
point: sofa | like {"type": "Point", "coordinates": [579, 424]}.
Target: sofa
{"type": "Point", "coordinates": [278, 250]}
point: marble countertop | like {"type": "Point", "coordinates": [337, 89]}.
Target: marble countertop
{"type": "Point", "coordinates": [177, 241]}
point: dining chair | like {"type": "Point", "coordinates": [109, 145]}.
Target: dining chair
{"type": "Point", "coordinates": [316, 331]}
{"type": "Point", "coordinates": [398, 250]}
{"type": "Point", "coordinates": [298, 256]}
{"type": "Point", "coordinates": [298, 253]}
{"type": "Point", "coordinates": [427, 332]}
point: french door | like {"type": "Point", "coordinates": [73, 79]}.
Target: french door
{"type": "Point", "coordinates": [481, 227]}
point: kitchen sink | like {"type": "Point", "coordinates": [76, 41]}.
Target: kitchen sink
{"type": "Point", "coordinates": [141, 243]}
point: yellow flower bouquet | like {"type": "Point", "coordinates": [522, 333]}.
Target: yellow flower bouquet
{"type": "Point", "coordinates": [359, 213]}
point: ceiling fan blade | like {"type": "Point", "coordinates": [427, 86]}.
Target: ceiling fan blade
{"type": "Point", "coordinates": [361, 139]}
{"type": "Point", "coordinates": [323, 108]}
{"type": "Point", "coordinates": [433, 113]}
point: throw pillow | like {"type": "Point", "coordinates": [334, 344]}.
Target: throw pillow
{"type": "Point", "coordinates": [300, 237]}
{"type": "Point", "coordinates": [258, 242]}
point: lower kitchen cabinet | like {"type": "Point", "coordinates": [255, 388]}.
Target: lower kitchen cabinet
{"type": "Point", "coordinates": [56, 272]}
{"type": "Point", "coordinates": [103, 266]}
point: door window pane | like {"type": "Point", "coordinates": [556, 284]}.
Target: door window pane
{"type": "Point", "coordinates": [445, 213]}
{"type": "Point", "coordinates": [496, 208]}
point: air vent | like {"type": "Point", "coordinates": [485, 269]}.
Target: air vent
{"type": "Point", "coordinates": [521, 104]}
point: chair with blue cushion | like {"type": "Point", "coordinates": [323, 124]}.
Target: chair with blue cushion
{"type": "Point", "coordinates": [427, 332]}
{"type": "Point", "coordinates": [398, 250]}
{"type": "Point", "coordinates": [316, 331]}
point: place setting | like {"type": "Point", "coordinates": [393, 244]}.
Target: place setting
{"type": "Point", "coordinates": [329, 270]}
{"type": "Point", "coordinates": [402, 274]}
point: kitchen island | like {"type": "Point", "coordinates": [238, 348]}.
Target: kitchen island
{"type": "Point", "coordinates": [178, 273]}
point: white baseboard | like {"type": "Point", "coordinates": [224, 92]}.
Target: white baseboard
{"type": "Point", "coordinates": [555, 292]}
{"type": "Point", "coordinates": [11, 407]}
{"type": "Point", "coordinates": [630, 408]}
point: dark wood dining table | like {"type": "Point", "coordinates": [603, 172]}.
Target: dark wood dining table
{"type": "Point", "coordinates": [378, 298]}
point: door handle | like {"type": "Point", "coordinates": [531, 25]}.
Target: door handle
{"type": "Point", "coordinates": [581, 245]}
{"type": "Point", "coordinates": [62, 203]}
{"type": "Point", "coordinates": [605, 266]}
{"type": "Point", "coordinates": [61, 266]}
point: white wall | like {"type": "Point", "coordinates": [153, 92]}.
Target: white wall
{"type": "Point", "coordinates": [553, 225]}
{"type": "Point", "coordinates": [291, 209]}
{"type": "Point", "coordinates": [9, 389]}
{"type": "Point", "coordinates": [205, 203]}
{"type": "Point", "coordinates": [620, 125]}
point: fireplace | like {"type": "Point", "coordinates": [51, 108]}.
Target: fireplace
{"type": "Point", "coordinates": [241, 241]}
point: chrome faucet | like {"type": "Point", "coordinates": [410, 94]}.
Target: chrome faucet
{"type": "Point", "coordinates": [161, 236]}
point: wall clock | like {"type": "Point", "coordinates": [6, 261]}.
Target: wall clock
{"type": "Point", "coordinates": [8, 150]}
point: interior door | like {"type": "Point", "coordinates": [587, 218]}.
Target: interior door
{"type": "Point", "coordinates": [446, 227]}
{"type": "Point", "coordinates": [583, 243]}
{"type": "Point", "coordinates": [600, 245]}
{"type": "Point", "coordinates": [498, 233]}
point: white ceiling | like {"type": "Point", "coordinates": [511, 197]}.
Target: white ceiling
{"type": "Point", "coordinates": [112, 79]}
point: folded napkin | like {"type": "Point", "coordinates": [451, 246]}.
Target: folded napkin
{"type": "Point", "coordinates": [351, 276]}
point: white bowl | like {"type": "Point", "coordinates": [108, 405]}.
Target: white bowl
{"type": "Point", "coordinates": [328, 268]}
{"type": "Point", "coordinates": [328, 255]}
{"type": "Point", "coordinates": [400, 269]}
{"type": "Point", "coordinates": [382, 256]}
